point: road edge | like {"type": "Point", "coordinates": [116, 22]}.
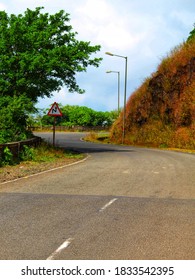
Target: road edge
{"type": "Point", "coordinates": [46, 171]}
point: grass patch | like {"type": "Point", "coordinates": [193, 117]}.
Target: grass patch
{"type": "Point", "coordinates": [105, 138]}
{"type": "Point", "coordinates": [48, 153]}
{"type": "Point", "coordinates": [35, 160]}
{"type": "Point", "coordinates": [97, 137]}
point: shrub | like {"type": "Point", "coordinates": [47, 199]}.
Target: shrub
{"type": "Point", "coordinates": [28, 153]}
{"type": "Point", "coordinates": [7, 157]}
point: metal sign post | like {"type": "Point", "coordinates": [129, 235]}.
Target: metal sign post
{"type": "Point", "coordinates": [54, 130]}
{"type": "Point", "coordinates": [54, 112]}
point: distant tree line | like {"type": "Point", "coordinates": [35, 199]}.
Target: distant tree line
{"type": "Point", "coordinates": [75, 116]}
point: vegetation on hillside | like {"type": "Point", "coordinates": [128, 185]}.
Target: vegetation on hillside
{"type": "Point", "coordinates": [161, 112]}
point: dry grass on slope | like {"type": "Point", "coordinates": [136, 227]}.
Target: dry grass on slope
{"type": "Point", "coordinates": [161, 112]}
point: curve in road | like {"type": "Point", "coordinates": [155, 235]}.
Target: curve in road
{"type": "Point", "coordinates": [122, 203]}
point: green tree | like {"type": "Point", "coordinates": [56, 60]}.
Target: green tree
{"type": "Point", "coordinates": [101, 118]}
{"type": "Point", "coordinates": [13, 118]}
{"type": "Point", "coordinates": [39, 53]}
{"type": "Point", "coordinates": [81, 115]}
{"type": "Point", "coordinates": [192, 34]}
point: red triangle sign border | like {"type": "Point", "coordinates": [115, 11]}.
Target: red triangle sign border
{"type": "Point", "coordinates": [55, 110]}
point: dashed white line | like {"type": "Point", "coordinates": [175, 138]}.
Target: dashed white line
{"type": "Point", "coordinates": [126, 171]}
{"type": "Point", "coordinates": [108, 204]}
{"type": "Point", "coordinates": [69, 240]}
{"type": "Point", "coordinates": [62, 247]}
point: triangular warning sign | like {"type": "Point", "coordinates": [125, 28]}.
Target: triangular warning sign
{"type": "Point", "coordinates": [55, 110]}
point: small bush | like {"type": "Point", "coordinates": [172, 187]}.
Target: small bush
{"type": "Point", "coordinates": [28, 153]}
{"type": "Point", "coordinates": [7, 157]}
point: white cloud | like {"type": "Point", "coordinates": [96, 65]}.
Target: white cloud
{"type": "Point", "coordinates": [61, 97]}
{"type": "Point", "coordinates": [3, 6]}
{"type": "Point", "coordinates": [100, 21]}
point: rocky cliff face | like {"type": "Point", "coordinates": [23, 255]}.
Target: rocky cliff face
{"type": "Point", "coordinates": [162, 111]}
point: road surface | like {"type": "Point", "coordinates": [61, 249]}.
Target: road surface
{"type": "Point", "coordinates": [120, 203]}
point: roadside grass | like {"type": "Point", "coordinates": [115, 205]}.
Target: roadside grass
{"type": "Point", "coordinates": [35, 160]}
{"type": "Point", "coordinates": [47, 153]}
{"type": "Point", "coordinates": [105, 138]}
{"type": "Point", "coordinates": [97, 137]}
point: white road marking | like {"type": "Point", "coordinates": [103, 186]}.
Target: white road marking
{"type": "Point", "coordinates": [62, 247]}
{"type": "Point", "coordinates": [108, 204]}
{"type": "Point", "coordinates": [126, 171]}
{"type": "Point", "coordinates": [69, 240]}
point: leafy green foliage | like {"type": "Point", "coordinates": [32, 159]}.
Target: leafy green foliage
{"type": "Point", "coordinates": [80, 116]}
{"type": "Point", "coordinates": [39, 54]}
{"type": "Point", "coordinates": [13, 117]}
{"type": "Point", "coordinates": [27, 153]}
{"type": "Point", "coordinates": [7, 157]}
{"type": "Point", "coordinates": [192, 35]}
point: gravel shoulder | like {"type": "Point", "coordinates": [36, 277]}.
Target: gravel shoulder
{"type": "Point", "coordinates": [27, 168]}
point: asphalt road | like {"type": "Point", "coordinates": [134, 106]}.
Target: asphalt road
{"type": "Point", "coordinates": [120, 203]}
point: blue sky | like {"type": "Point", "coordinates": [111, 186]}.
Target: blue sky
{"type": "Point", "coordinates": [143, 30]}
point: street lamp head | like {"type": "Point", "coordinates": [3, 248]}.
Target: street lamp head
{"type": "Point", "coordinates": [108, 53]}
{"type": "Point", "coordinates": [112, 71]}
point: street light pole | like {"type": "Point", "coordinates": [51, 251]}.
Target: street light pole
{"type": "Point", "coordinates": [125, 93]}
{"type": "Point", "coordinates": [125, 97]}
{"type": "Point", "coordinates": [118, 88]}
